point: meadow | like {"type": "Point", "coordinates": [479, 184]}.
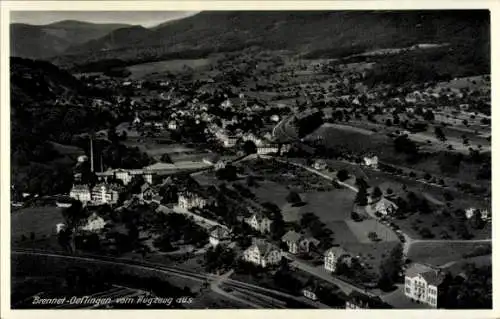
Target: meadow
{"type": "Point", "coordinates": [173, 66]}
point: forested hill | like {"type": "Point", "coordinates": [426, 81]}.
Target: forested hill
{"type": "Point", "coordinates": [38, 81]}
{"type": "Point", "coordinates": [44, 41]}
{"type": "Point", "coordinates": [312, 33]}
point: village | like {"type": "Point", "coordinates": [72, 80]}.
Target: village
{"type": "Point", "coordinates": [273, 173]}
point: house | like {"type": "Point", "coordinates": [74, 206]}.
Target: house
{"type": "Point", "coordinates": [148, 192]}
{"type": "Point", "coordinates": [469, 213]}
{"type": "Point", "coordinates": [105, 194]}
{"type": "Point", "coordinates": [172, 125]}
{"type": "Point", "coordinates": [385, 207]}
{"type": "Point", "coordinates": [357, 300]}
{"type": "Point", "coordinates": [259, 222]}
{"type": "Point", "coordinates": [310, 293]}
{"type": "Point", "coordinates": [123, 175]}
{"type": "Point", "coordinates": [60, 227]}
{"type": "Point", "coordinates": [215, 161]}
{"type": "Point", "coordinates": [333, 256]}
{"type": "Point", "coordinates": [94, 223]}
{"type": "Point", "coordinates": [275, 118]}
{"type": "Point", "coordinates": [263, 254]}
{"type": "Point", "coordinates": [81, 193]}
{"type": "Point", "coordinates": [371, 161]}
{"type": "Point", "coordinates": [218, 234]}
{"type": "Point", "coordinates": [319, 165]}
{"type": "Point", "coordinates": [298, 243]}
{"type": "Point", "coordinates": [422, 283]}
{"type": "Point", "coordinates": [268, 149]}
{"type": "Point", "coordinates": [189, 200]}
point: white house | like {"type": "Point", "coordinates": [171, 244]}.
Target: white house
{"type": "Point", "coordinates": [310, 293]}
{"type": "Point", "coordinates": [333, 256]}
{"type": "Point", "coordinates": [259, 223]}
{"type": "Point", "coordinates": [385, 207]}
{"type": "Point", "coordinates": [319, 165]}
{"type": "Point", "coordinates": [298, 243]}
{"type": "Point", "coordinates": [60, 227]}
{"type": "Point", "coordinates": [81, 193]}
{"type": "Point", "coordinates": [188, 200]}
{"type": "Point", "coordinates": [371, 161]}
{"type": "Point", "coordinates": [218, 234]}
{"type": "Point", "coordinates": [469, 213]}
{"type": "Point", "coordinates": [106, 194]}
{"type": "Point", "coordinates": [263, 254]}
{"type": "Point", "coordinates": [172, 125]}
{"type": "Point", "coordinates": [422, 283]}
{"type": "Point", "coordinates": [94, 223]}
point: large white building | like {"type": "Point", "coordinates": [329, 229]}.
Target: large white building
{"type": "Point", "coordinates": [422, 284]}
{"type": "Point", "coordinates": [263, 254]}
{"type": "Point", "coordinates": [188, 200]}
{"type": "Point", "coordinates": [81, 193]}
{"type": "Point", "coordinates": [105, 194]}
{"type": "Point", "coordinates": [333, 256]}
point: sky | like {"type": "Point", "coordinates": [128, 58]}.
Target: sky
{"type": "Point", "coordinates": [144, 18]}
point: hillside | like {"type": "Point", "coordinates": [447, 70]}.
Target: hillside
{"type": "Point", "coordinates": [47, 105]}
{"type": "Point", "coordinates": [40, 81]}
{"type": "Point", "coordinates": [313, 33]}
{"type": "Point", "coordinates": [44, 41]}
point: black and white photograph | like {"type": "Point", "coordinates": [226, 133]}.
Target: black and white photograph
{"type": "Point", "coordinates": [236, 159]}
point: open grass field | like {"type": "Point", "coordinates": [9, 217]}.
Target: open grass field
{"type": "Point", "coordinates": [361, 230]}
{"type": "Point", "coordinates": [269, 191]}
{"type": "Point", "coordinates": [329, 206]}
{"type": "Point", "coordinates": [354, 139]}
{"type": "Point", "coordinates": [439, 253]}
{"type": "Point", "coordinates": [371, 254]}
{"type": "Point", "coordinates": [174, 66]}
{"type": "Point", "coordinates": [39, 220]}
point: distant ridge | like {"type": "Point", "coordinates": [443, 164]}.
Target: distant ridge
{"type": "Point", "coordinates": [311, 33]}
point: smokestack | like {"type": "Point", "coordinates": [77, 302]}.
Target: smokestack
{"type": "Point", "coordinates": [102, 165]}
{"type": "Point", "coordinates": [91, 156]}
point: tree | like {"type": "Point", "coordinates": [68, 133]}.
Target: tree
{"type": "Point", "coordinates": [428, 115]}
{"type": "Point", "coordinates": [227, 173]}
{"type": "Point", "coordinates": [376, 192]}
{"type": "Point", "coordinates": [361, 183]}
{"type": "Point", "coordinates": [74, 215]}
{"type": "Point", "coordinates": [361, 197]}
{"type": "Point", "coordinates": [438, 131]}
{"type": "Point", "coordinates": [249, 147]}
{"type": "Point", "coordinates": [390, 268]}
{"type": "Point", "coordinates": [342, 175]}
{"type": "Point", "coordinates": [293, 198]}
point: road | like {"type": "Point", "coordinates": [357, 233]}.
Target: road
{"type": "Point", "coordinates": [321, 273]}
{"type": "Point", "coordinates": [181, 273]}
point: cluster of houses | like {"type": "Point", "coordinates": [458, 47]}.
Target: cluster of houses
{"type": "Point", "coordinates": [99, 194]}
{"type": "Point", "coordinates": [264, 144]}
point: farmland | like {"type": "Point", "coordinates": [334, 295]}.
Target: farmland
{"type": "Point", "coordinates": [173, 66]}
{"type": "Point", "coordinates": [442, 252]}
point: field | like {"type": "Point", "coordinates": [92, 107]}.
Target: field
{"type": "Point", "coordinates": [39, 220]}
{"type": "Point", "coordinates": [174, 66]}
{"type": "Point", "coordinates": [355, 139]}
{"type": "Point", "coordinates": [442, 252]}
